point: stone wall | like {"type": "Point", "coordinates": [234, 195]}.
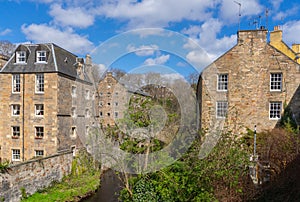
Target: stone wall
{"type": "Point", "coordinates": [248, 65]}
{"type": "Point", "coordinates": [34, 175]}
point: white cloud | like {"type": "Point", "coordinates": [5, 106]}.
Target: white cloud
{"type": "Point", "coordinates": [5, 32]}
{"type": "Point", "coordinates": [144, 50]}
{"type": "Point", "coordinates": [76, 17]}
{"type": "Point", "coordinates": [229, 11]}
{"type": "Point", "coordinates": [155, 13]}
{"type": "Point", "coordinates": [67, 39]}
{"type": "Point", "coordinates": [291, 32]}
{"type": "Point", "coordinates": [205, 46]}
{"type": "Point", "coordinates": [284, 14]}
{"type": "Point", "coordinates": [276, 4]}
{"type": "Point", "coordinates": [158, 60]}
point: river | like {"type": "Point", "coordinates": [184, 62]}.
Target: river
{"type": "Point", "coordinates": [110, 186]}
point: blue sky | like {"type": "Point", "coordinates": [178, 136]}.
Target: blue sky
{"type": "Point", "coordinates": [85, 26]}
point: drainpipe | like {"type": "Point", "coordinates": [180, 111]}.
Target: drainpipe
{"type": "Point", "coordinates": [23, 119]}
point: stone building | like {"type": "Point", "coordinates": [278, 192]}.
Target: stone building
{"type": "Point", "coordinates": [46, 102]}
{"type": "Point", "coordinates": [277, 42]}
{"type": "Point", "coordinates": [3, 60]}
{"type": "Point", "coordinates": [248, 85]}
{"type": "Point", "coordinates": [111, 98]}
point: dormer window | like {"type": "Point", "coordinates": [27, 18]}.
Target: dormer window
{"type": "Point", "coordinates": [41, 56]}
{"type": "Point", "coordinates": [20, 57]}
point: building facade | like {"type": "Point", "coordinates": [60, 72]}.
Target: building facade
{"type": "Point", "coordinates": [249, 85]}
{"type": "Point", "coordinates": [47, 102]}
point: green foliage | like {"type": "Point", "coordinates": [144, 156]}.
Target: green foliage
{"type": "Point", "coordinates": [194, 179]}
{"type": "Point", "coordinates": [23, 193]}
{"type": "Point", "coordinates": [4, 166]}
{"type": "Point", "coordinates": [84, 179]}
{"type": "Point", "coordinates": [288, 122]}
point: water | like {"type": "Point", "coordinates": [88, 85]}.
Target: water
{"type": "Point", "coordinates": [109, 188]}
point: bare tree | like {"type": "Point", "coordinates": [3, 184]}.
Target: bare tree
{"type": "Point", "coordinates": [7, 48]}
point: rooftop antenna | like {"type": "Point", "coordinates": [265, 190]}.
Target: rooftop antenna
{"type": "Point", "coordinates": [267, 19]}
{"type": "Point", "coordinates": [240, 5]}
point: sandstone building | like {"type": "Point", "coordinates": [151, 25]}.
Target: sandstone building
{"type": "Point", "coordinates": [46, 102]}
{"type": "Point", "coordinates": [249, 85]}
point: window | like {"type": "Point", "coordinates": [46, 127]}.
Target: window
{"type": "Point", "coordinates": [39, 153]}
{"type": "Point", "coordinates": [222, 107]}
{"type": "Point", "coordinates": [16, 83]}
{"type": "Point", "coordinates": [116, 93]}
{"type": "Point", "coordinates": [15, 110]}
{"type": "Point", "coordinates": [39, 132]}
{"type": "Point", "coordinates": [223, 82]}
{"type": "Point", "coordinates": [87, 113]}
{"type": "Point", "coordinates": [87, 94]}
{"type": "Point", "coordinates": [73, 111]}
{"type": "Point", "coordinates": [15, 131]}
{"type": "Point", "coordinates": [116, 114]}
{"type": "Point", "coordinates": [39, 83]}
{"type": "Point", "coordinates": [275, 110]}
{"type": "Point", "coordinates": [87, 130]}
{"type": "Point", "coordinates": [74, 89]}
{"type": "Point", "coordinates": [108, 114]}
{"type": "Point", "coordinates": [101, 114]}
{"type": "Point", "coordinates": [73, 131]}
{"type": "Point", "coordinates": [275, 81]}
{"type": "Point", "coordinates": [21, 57]}
{"type": "Point", "coordinates": [108, 103]}
{"type": "Point", "coordinates": [16, 155]}
{"type": "Point", "coordinates": [101, 94]}
{"type": "Point", "coordinates": [41, 56]}
{"type": "Point", "coordinates": [101, 103]}
{"type": "Point", "coordinates": [116, 103]}
{"type": "Point", "coordinates": [39, 110]}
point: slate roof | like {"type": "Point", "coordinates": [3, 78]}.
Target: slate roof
{"type": "Point", "coordinates": [58, 60]}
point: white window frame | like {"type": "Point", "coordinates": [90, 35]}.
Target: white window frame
{"type": "Point", "coordinates": [116, 115]}
{"type": "Point", "coordinates": [37, 153]}
{"type": "Point", "coordinates": [73, 112]}
{"type": "Point", "coordinates": [41, 56]}
{"type": "Point", "coordinates": [274, 111]}
{"type": "Point", "coordinates": [221, 109]}
{"type": "Point", "coordinates": [15, 110]}
{"type": "Point", "coordinates": [276, 82]}
{"type": "Point", "coordinates": [222, 82]}
{"type": "Point", "coordinates": [37, 111]}
{"type": "Point", "coordinates": [87, 94]}
{"type": "Point", "coordinates": [87, 113]}
{"type": "Point", "coordinates": [73, 131]}
{"type": "Point", "coordinates": [16, 155]}
{"type": "Point", "coordinates": [21, 57]}
{"type": "Point", "coordinates": [74, 91]}
{"type": "Point", "coordinates": [16, 83]}
{"type": "Point", "coordinates": [39, 83]}
{"type": "Point", "coordinates": [39, 132]}
{"type": "Point", "coordinates": [87, 130]}
{"type": "Point", "coordinates": [15, 131]}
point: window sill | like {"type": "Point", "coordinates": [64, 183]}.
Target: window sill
{"type": "Point", "coordinates": [17, 93]}
{"type": "Point", "coordinates": [41, 62]}
{"type": "Point", "coordinates": [40, 93]}
{"type": "Point", "coordinates": [20, 63]}
{"type": "Point", "coordinates": [15, 137]}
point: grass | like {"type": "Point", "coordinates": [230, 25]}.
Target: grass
{"type": "Point", "coordinates": [83, 180]}
{"type": "Point", "coordinates": [72, 188]}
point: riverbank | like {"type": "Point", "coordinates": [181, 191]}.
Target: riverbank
{"type": "Point", "coordinates": [81, 183]}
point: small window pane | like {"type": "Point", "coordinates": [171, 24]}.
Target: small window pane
{"type": "Point", "coordinates": [15, 131]}
{"type": "Point", "coordinates": [15, 110]}
{"type": "Point", "coordinates": [39, 110]}
{"type": "Point", "coordinates": [39, 132]}
{"type": "Point", "coordinates": [39, 83]}
{"type": "Point", "coordinates": [275, 110]}
{"type": "Point", "coordinates": [41, 56]}
{"type": "Point", "coordinates": [39, 153]}
{"type": "Point", "coordinates": [21, 57]}
{"type": "Point", "coordinates": [275, 81]}
{"type": "Point", "coordinates": [223, 82]}
{"type": "Point", "coordinates": [222, 107]}
{"type": "Point", "coordinates": [16, 84]}
{"type": "Point", "coordinates": [16, 155]}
